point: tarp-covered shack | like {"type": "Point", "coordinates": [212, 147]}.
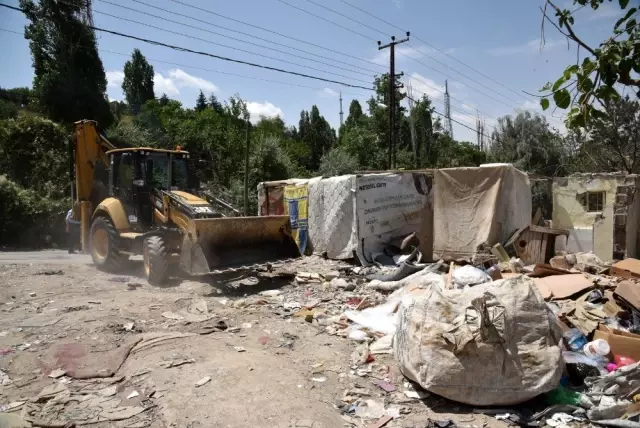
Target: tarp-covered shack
{"type": "Point", "coordinates": [475, 208]}
{"type": "Point", "coordinates": [357, 214]}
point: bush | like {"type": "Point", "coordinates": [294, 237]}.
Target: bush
{"type": "Point", "coordinates": [34, 154]}
{"type": "Point", "coordinates": [338, 162]}
{"type": "Point", "coordinates": [28, 220]}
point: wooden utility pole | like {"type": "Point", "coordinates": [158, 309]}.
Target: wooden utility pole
{"type": "Point", "coordinates": [246, 168]}
{"type": "Point", "coordinates": [392, 95]}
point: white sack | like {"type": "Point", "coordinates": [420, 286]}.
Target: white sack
{"type": "Point", "coordinates": [491, 344]}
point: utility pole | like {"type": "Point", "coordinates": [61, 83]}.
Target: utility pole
{"type": "Point", "coordinates": [392, 94]}
{"type": "Point", "coordinates": [341, 114]}
{"type": "Point", "coordinates": [246, 167]}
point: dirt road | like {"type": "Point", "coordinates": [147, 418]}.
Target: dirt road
{"type": "Point", "coordinates": [209, 352]}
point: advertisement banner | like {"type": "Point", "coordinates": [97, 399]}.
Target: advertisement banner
{"type": "Point", "coordinates": [296, 203]}
{"type": "Point", "coordinates": [389, 207]}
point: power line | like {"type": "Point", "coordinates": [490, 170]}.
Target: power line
{"type": "Point", "coordinates": [153, 60]}
{"type": "Point", "coordinates": [420, 52]}
{"type": "Point", "coordinates": [275, 32]}
{"type": "Point", "coordinates": [347, 17]}
{"type": "Point", "coordinates": [226, 46]}
{"type": "Point", "coordinates": [237, 61]}
{"type": "Point", "coordinates": [438, 50]}
{"type": "Point", "coordinates": [325, 19]}
{"type": "Point", "coordinates": [239, 32]}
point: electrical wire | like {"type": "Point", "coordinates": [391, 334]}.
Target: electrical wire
{"type": "Point", "coordinates": [236, 39]}
{"type": "Point", "coordinates": [159, 61]}
{"type": "Point", "coordinates": [439, 50]}
{"type": "Point", "coordinates": [275, 32]}
{"type": "Point", "coordinates": [183, 49]}
{"type": "Point", "coordinates": [416, 50]}
{"type": "Point", "coordinates": [224, 46]}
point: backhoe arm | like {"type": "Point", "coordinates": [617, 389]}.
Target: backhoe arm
{"type": "Point", "coordinates": [89, 148]}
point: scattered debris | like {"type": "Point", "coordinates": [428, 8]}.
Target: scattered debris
{"type": "Point", "coordinates": [128, 326]}
{"type": "Point", "coordinates": [32, 294]}
{"type": "Point", "coordinates": [172, 316]}
{"type": "Point", "coordinates": [384, 385]}
{"type": "Point", "coordinates": [239, 349]}
{"type": "Point", "coordinates": [133, 395]}
{"type": "Point", "coordinates": [319, 379]}
{"type": "Point", "coordinates": [55, 374]}
{"type": "Point", "coordinates": [76, 308]}
{"type": "Point", "coordinates": [203, 381]}
{"type": "Point", "coordinates": [270, 293]}
{"type": "Point", "coordinates": [51, 272]}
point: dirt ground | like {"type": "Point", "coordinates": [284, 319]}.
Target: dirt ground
{"type": "Point", "coordinates": [258, 365]}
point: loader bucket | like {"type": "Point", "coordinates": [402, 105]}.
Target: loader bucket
{"type": "Point", "coordinates": [218, 244]}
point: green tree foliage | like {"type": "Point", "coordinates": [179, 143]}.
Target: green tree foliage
{"type": "Point", "coordinates": [612, 142]}
{"type": "Point", "coordinates": [69, 80]}
{"type": "Point", "coordinates": [215, 104]}
{"type": "Point", "coordinates": [338, 162]}
{"type": "Point", "coordinates": [317, 134]}
{"type": "Point", "coordinates": [163, 100]}
{"type": "Point", "coordinates": [29, 220]}
{"type": "Point", "coordinates": [528, 142]}
{"type": "Point", "coordinates": [34, 154]}
{"type": "Point", "coordinates": [138, 81]}
{"type": "Point", "coordinates": [201, 102]}
{"type": "Point", "coordinates": [592, 81]}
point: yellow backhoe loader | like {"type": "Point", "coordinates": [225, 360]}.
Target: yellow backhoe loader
{"type": "Point", "coordinates": [140, 200]}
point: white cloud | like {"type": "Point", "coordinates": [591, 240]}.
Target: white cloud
{"type": "Point", "coordinates": [424, 85]}
{"type": "Point", "coordinates": [328, 93]}
{"type": "Point", "coordinates": [115, 78]}
{"type": "Point", "coordinates": [164, 85]}
{"type": "Point", "coordinates": [531, 47]}
{"type": "Point", "coordinates": [605, 11]}
{"type": "Point", "coordinates": [183, 79]}
{"type": "Point", "coordinates": [266, 109]}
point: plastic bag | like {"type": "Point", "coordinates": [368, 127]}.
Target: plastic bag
{"type": "Point", "coordinates": [469, 275]}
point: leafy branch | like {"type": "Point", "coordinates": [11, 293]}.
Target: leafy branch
{"type": "Point", "coordinates": [613, 62]}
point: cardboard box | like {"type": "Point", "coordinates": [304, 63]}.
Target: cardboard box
{"type": "Point", "coordinates": [627, 268]}
{"type": "Point", "coordinates": [621, 342]}
{"type": "Point", "coordinates": [629, 292]}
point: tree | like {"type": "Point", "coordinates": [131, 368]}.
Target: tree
{"type": "Point", "coordinates": [316, 132]}
{"type": "Point", "coordinates": [355, 113]}
{"type": "Point", "coordinates": [163, 100]}
{"type": "Point", "coordinates": [338, 162]}
{"type": "Point", "coordinates": [614, 141]}
{"type": "Point", "coordinates": [138, 81]}
{"type": "Point", "coordinates": [591, 82]}
{"type": "Point", "coordinates": [215, 104]}
{"type": "Point", "coordinates": [69, 79]}
{"type": "Point", "coordinates": [423, 122]}
{"type": "Point", "coordinates": [201, 102]}
{"type": "Point", "coordinates": [528, 142]}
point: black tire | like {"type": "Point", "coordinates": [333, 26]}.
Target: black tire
{"type": "Point", "coordinates": [106, 258]}
{"type": "Point", "coordinates": [156, 263]}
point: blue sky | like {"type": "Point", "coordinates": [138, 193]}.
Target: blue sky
{"type": "Point", "coordinates": [500, 38]}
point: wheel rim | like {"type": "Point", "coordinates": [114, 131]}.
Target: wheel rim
{"type": "Point", "coordinates": [100, 243]}
{"type": "Point", "coordinates": [145, 257]}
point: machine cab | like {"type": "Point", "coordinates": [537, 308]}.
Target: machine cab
{"type": "Point", "coordinates": [139, 176]}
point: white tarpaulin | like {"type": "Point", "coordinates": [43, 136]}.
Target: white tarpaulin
{"type": "Point", "coordinates": [389, 207]}
{"type": "Point", "coordinates": [481, 206]}
{"type": "Point", "coordinates": [332, 220]}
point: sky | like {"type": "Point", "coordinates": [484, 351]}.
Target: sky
{"type": "Point", "coordinates": [488, 51]}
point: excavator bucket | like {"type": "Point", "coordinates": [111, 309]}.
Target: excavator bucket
{"type": "Point", "coordinates": [216, 245]}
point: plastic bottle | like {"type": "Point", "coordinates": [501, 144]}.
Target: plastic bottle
{"type": "Point", "coordinates": [562, 395]}
{"type": "Point", "coordinates": [575, 339]}
{"type": "Point", "coordinates": [597, 349]}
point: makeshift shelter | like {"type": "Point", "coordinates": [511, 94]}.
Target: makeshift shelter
{"type": "Point", "coordinates": [475, 208]}
{"type": "Point", "coordinates": [357, 214]}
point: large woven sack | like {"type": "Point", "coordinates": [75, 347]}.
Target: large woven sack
{"type": "Point", "coordinates": [492, 344]}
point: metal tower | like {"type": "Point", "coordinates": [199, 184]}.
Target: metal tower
{"type": "Point", "coordinates": [341, 113]}
{"type": "Point", "coordinates": [448, 127]}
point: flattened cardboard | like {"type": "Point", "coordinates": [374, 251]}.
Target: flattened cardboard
{"type": "Point", "coordinates": [627, 268]}
{"type": "Point", "coordinates": [621, 342]}
{"type": "Point", "coordinates": [541, 270]}
{"type": "Point", "coordinates": [562, 286]}
{"type": "Point", "coordinates": [629, 291]}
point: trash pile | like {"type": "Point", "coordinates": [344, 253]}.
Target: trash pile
{"type": "Point", "coordinates": [498, 334]}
